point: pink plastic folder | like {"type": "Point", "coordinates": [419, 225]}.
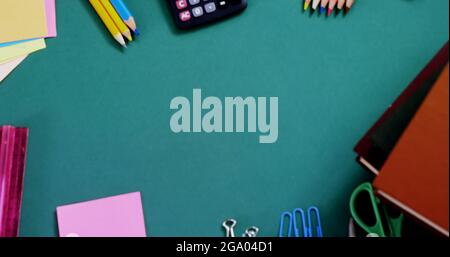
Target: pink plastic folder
{"type": "Point", "coordinates": [116, 216]}
{"type": "Point", "coordinates": [13, 145]}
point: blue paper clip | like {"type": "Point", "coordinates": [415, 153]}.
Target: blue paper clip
{"type": "Point", "coordinates": [310, 225]}
{"type": "Point", "coordinates": [294, 229]}
{"type": "Point", "coordinates": [282, 219]}
{"type": "Point", "coordinates": [295, 223]}
{"type": "Point", "coordinates": [304, 229]}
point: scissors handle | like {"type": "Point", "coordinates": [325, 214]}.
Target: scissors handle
{"type": "Point", "coordinates": [394, 223]}
{"type": "Point", "coordinates": [377, 228]}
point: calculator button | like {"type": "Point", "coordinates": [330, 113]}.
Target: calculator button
{"type": "Point", "coordinates": [185, 16]}
{"type": "Point", "coordinates": [222, 4]}
{"type": "Point", "coordinates": [197, 11]}
{"type": "Point", "coordinates": [210, 7]}
{"type": "Point", "coordinates": [194, 2]}
{"type": "Point", "coordinates": [181, 4]}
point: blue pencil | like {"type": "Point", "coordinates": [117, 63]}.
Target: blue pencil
{"type": "Point", "coordinates": [125, 14]}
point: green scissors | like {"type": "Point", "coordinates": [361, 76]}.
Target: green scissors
{"type": "Point", "coordinates": [372, 221]}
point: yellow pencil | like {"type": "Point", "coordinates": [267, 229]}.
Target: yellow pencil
{"type": "Point", "coordinates": [123, 28]}
{"type": "Point", "coordinates": [306, 5]}
{"type": "Point", "coordinates": [108, 21]}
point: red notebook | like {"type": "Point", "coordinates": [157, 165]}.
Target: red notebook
{"type": "Point", "coordinates": [13, 145]}
{"type": "Point", "coordinates": [415, 177]}
{"type": "Point", "coordinates": [377, 144]}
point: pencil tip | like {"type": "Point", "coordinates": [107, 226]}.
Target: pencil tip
{"type": "Point", "coordinates": [120, 39]}
{"type": "Point", "coordinates": [330, 11]}
{"type": "Point", "coordinates": [305, 6]}
{"type": "Point", "coordinates": [136, 32]}
{"type": "Point", "coordinates": [322, 10]}
{"type": "Point", "coordinates": [346, 10]}
{"type": "Point", "coordinates": [127, 34]}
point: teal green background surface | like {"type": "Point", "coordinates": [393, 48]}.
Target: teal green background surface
{"type": "Point", "coordinates": [99, 115]}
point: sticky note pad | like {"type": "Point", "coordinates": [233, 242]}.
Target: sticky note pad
{"type": "Point", "coordinates": [51, 17]}
{"type": "Point", "coordinates": [22, 19]}
{"type": "Point", "coordinates": [7, 53]}
{"type": "Point", "coordinates": [7, 67]}
{"type": "Point", "coordinates": [116, 216]}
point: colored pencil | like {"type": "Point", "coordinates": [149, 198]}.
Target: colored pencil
{"type": "Point", "coordinates": [315, 4]}
{"type": "Point", "coordinates": [323, 6]}
{"type": "Point", "coordinates": [117, 20]}
{"type": "Point", "coordinates": [126, 15]}
{"type": "Point", "coordinates": [109, 23]}
{"type": "Point", "coordinates": [340, 4]}
{"type": "Point", "coordinates": [306, 4]}
{"type": "Point", "coordinates": [349, 5]}
{"type": "Point", "coordinates": [331, 6]}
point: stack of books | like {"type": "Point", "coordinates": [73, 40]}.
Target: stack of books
{"type": "Point", "coordinates": [408, 148]}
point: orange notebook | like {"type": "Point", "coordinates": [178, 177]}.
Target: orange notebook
{"type": "Point", "coordinates": [415, 176]}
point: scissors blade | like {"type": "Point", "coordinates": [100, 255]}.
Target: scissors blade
{"type": "Point", "coordinates": [351, 228]}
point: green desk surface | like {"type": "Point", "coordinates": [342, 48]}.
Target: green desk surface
{"type": "Point", "coordinates": [99, 116]}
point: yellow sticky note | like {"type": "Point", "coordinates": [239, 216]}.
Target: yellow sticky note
{"type": "Point", "coordinates": [9, 52]}
{"type": "Point", "coordinates": [22, 19]}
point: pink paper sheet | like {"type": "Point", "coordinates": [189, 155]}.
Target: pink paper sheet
{"type": "Point", "coordinates": [116, 216]}
{"type": "Point", "coordinates": [50, 12]}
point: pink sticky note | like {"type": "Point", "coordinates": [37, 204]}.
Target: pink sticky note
{"type": "Point", "coordinates": [50, 12]}
{"type": "Point", "coordinates": [116, 216]}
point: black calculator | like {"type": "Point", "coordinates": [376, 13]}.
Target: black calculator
{"type": "Point", "coordinates": [192, 13]}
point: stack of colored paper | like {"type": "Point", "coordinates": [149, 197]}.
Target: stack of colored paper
{"type": "Point", "coordinates": [23, 26]}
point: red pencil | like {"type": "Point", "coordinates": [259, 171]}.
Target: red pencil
{"type": "Point", "coordinates": [331, 6]}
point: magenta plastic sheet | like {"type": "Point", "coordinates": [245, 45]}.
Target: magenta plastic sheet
{"type": "Point", "coordinates": [12, 166]}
